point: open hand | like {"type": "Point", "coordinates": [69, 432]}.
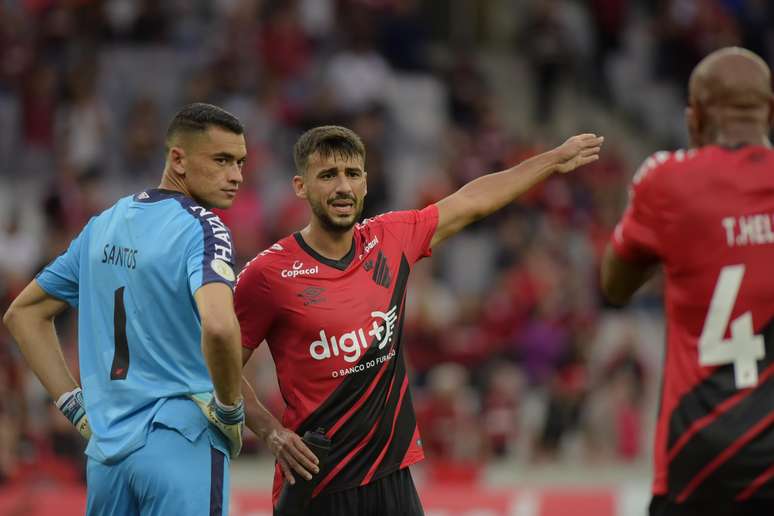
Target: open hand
{"type": "Point", "coordinates": [578, 151]}
{"type": "Point", "coordinates": [292, 454]}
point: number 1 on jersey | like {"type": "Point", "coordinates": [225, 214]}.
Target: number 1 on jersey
{"type": "Point", "coordinates": [744, 348]}
{"type": "Point", "coordinates": [120, 365]}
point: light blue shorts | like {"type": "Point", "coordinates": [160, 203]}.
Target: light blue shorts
{"type": "Point", "coordinates": [181, 471]}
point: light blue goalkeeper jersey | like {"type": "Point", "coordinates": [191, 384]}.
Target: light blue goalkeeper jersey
{"type": "Point", "coordinates": [132, 273]}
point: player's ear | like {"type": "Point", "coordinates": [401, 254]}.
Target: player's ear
{"type": "Point", "coordinates": [365, 180]}
{"type": "Point", "coordinates": [299, 186]}
{"type": "Point", "coordinates": [176, 158]}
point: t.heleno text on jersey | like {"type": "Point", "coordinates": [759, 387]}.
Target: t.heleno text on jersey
{"type": "Point", "coordinates": [753, 229]}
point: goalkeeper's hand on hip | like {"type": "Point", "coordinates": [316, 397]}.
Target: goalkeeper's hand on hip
{"type": "Point", "coordinates": [229, 419]}
{"type": "Point", "coordinates": [71, 405]}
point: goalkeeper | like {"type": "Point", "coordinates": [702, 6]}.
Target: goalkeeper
{"type": "Point", "coordinates": [152, 279]}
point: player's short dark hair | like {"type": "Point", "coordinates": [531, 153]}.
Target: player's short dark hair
{"type": "Point", "coordinates": [199, 117]}
{"type": "Point", "coordinates": [328, 140]}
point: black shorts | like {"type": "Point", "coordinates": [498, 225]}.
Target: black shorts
{"type": "Point", "coordinates": [392, 495]}
{"type": "Point", "coordinates": [663, 506]}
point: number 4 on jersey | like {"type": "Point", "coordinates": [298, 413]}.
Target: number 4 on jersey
{"type": "Point", "coordinates": [744, 348]}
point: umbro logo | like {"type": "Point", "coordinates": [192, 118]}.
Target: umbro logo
{"type": "Point", "coordinates": [382, 275]}
{"type": "Point", "coordinates": [311, 295]}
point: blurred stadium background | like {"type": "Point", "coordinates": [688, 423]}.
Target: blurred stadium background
{"type": "Point", "coordinates": [534, 398]}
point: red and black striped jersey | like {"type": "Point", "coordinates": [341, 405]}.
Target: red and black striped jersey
{"type": "Point", "coordinates": [708, 216]}
{"type": "Point", "coordinates": [334, 330]}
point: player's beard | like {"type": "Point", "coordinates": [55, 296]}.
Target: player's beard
{"type": "Point", "coordinates": [331, 223]}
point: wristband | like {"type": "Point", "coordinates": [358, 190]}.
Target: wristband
{"type": "Point", "coordinates": [230, 414]}
{"type": "Point", "coordinates": [71, 403]}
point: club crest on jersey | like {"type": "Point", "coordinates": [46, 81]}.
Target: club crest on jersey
{"type": "Point", "coordinates": [351, 344]}
{"type": "Point", "coordinates": [381, 275]}
{"type": "Point", "coordinates": [299, 270]}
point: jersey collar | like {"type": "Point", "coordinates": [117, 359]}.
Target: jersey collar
{"type": "Point", "coordinates": [735, 147]}
{"type": "Point", "coordinates": [340, 264]}
{"type": "Point", "coordinates": [156, 195]}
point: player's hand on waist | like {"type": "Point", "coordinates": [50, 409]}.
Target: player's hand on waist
{"type": "Point", "coordinates": [71, 405]}
{"type": "Point", "coordinates": [292, 454]}
{"type": "Point", "coordinates": [229, 419]}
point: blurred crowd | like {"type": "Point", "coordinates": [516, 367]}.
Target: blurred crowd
{"type": "Point", "coordinates": [514, 355]}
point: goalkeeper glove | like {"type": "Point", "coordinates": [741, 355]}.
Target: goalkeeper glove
{"type": "Point", "coordinates": [226, 418]}
{"type": "Point", "coordinates": [71, 405]}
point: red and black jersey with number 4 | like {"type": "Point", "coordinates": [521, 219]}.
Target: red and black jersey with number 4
{"type": "Point", "coordinates": [708, 216]}
{"type": "Point", "coordinates": [334, 330]}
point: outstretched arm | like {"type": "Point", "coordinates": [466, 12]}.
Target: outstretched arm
{"type": "Point", "coordinates": [487, 194]}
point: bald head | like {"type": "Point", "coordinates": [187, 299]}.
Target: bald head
{"type": "Point", "coordinates": [732, 76]}
{"type": "Point", "coordinates": [728, 88]}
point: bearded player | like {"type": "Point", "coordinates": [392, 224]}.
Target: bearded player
{"type": "Point", "coordinates": [329, 302]}
{"type": "Point", "coordinates": [707, 215]}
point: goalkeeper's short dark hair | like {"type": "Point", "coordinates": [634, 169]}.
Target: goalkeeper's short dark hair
{"type": "Point", "coordinates": [199, 117]}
